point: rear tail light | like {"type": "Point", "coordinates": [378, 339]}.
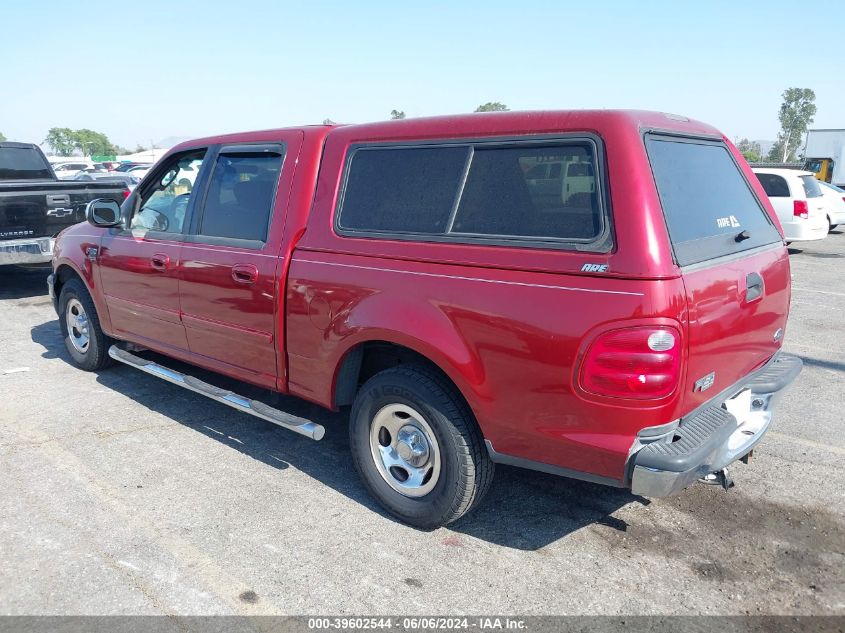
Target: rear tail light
{"type": "Point", "coordinates": [125, 193]}
{"type": "Point", "coordinates": [639, 362]}
{"type": "Point", "coordinates": [799, 209]}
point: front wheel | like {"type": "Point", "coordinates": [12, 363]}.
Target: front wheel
{"type": "Point", "coordinates": [417, 447]}
{"type": "Point", "coordinates": [84, 339]}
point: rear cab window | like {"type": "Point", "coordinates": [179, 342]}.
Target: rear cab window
{"type": "Point", "coordinates": [710, 209]}
{"type": "Point", "coordinates": [23, 163]}
{"type": "Point", "coordinates": [526, 193]}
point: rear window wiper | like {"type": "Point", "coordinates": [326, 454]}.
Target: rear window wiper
{"type": "Point", "coordinates": [742, 236]}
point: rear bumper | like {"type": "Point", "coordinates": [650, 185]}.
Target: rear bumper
{"type": "Point", "coordinates": [726, 429]}
{"type": "Point", "coordinates": [33, 250]}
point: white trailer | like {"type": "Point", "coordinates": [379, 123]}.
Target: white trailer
{"type": "Point", "coordinates": [824, 154]}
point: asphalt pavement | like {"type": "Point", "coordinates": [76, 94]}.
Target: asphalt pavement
{"type": "Point", "coordinates": [122, 494]}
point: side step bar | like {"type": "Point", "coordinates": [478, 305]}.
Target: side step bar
{"type": "Point", "coordinates": [253, 407]}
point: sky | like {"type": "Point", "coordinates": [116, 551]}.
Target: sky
{"type": "Point", "coordinates": [146, 71]}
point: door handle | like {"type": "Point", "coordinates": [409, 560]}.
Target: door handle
{"type": "Point", "coordinates": [753, 287]}
{"type": "Point", "coordinates": [246, 274]}
{"type": "Point", "coordinates": [160, 261]}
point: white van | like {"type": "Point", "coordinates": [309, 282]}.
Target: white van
{"type": "Point", "coordinates": [797, 199]}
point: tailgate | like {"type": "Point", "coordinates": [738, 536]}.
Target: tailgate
{"type": "Point", "coordinates": [737, 316]}
{"type": "Point", "coordinates": [735, 267]}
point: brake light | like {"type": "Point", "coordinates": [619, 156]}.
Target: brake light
{"type": "Point", "coordinates": [638, 362]}
{"type": "Point", "coordinates": [799, 209]}
{"type": "Point", "coordinates": [125, 193]}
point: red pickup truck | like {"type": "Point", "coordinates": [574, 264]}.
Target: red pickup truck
{"type": "Point", "coordinates": [597, 294]}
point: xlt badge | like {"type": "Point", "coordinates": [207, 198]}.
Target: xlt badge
{"type": "Point", "coordinates": [705, 382]}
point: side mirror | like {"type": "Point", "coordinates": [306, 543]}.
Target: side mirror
{"type": "Point", "coordinates": [103, 212]}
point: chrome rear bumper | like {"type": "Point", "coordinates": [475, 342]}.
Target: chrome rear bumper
{"type": "Point", "coordinates": [713, 437]}
{"type": "Point", "coordinates": [31, 250]}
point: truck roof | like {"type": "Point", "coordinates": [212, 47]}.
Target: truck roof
{"type": "Point", "coordinates": [481, 123]}
{"type": "Point", "coordinates": [16, 145]}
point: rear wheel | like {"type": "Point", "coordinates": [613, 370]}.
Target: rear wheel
{"type": "Point", "coordinates": [418, 448]}
{"type": "Point", "coordinates": [830, 226]}
{"type": "Point", "coordinates": [84, 339]}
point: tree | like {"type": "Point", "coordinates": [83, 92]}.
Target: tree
{"type": "Point", "coordinates": [2, 137]}
{"type": "Point", "coordinates": [796, 113]}
{"type": "Point", "coordinates": [328, 122]}
{"type": "Point", "coordinates": [140, 148]}
{"type": "Point", "coordinates": [492, 106]}
{"type": "Point", "coordinates": [60, 140]}
{"type": "Point", "coordinates": [750, 150]}
{"type": "Point", "coordinates": [92, 143]}
{"type": "Point", "coordinates": [397, 114]}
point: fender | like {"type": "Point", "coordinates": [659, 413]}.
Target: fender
{"type": "Point", "coordinates": [72, 251]}
{"type": "Point", "coordinates": [421, 327]}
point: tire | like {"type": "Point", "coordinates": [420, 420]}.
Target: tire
{"type": "Point", "coordinates": [830, 226]}
{"type": "Point", "coordinates": [84, 338]}
{"type": "Point", "coordinates": [412, 416]}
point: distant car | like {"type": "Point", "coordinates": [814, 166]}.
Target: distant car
{"type": "Point", "coordinates": [140, 171]}
{"type": "Point", "coordinates": [132, 165]}
{"type": "Point", "coordinates": [834, 201]}
{"type": "Point", "coordinates": [66, 171]}
{"type": "Point", "coordinates": [130, 180]}
{"type": "Point", "coordinates": [797, 199]}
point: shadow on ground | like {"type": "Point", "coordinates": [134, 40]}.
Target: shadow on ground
{"type": "Point", "coordinates": [523, 510]}
{"type": "Point", "coordinates": [18, 282]}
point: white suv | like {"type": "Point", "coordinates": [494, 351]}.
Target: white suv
{"type": "Point", "coordinates": [797, 199]}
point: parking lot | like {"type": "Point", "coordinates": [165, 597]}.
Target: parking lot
{"type": "Point", "coordinates": [124, 494]}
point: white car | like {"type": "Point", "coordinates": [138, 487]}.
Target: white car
{"type": "Point", "coordinates": [67, 170]}
{"type": "Point", "coordinates": [834, 202]}
{"type": "Point", "coordinates": [797, 199]}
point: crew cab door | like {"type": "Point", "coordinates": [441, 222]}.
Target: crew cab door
{"type": "Point", "coordinates": [734, 264]}
{"type": "Point", "coordinates": [229, 286]}
{"type": "Point", "coordinates": [139, 264]}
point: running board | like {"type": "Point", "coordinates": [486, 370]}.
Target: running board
{"type": "Point", "coordinates": [253, 407]}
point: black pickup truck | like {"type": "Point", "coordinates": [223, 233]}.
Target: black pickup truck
{"type": "Point", "coordinates": [35, 205]}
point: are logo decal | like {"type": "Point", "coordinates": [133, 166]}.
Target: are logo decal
{"type": "Point", "coordinates": [729, 222]}
{"type": "Point", "coordinates": [594, 268]}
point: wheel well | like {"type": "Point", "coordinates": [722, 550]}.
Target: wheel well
{"type": "Point", "coordinates": [64, 274]}
{"type": "Point", "coordinates": [365, 360]}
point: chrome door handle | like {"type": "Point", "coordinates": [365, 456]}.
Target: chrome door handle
{"type": "Point", "coordinates": [160, 261]}
{"type": "Point", "coordinates": [246, 274]}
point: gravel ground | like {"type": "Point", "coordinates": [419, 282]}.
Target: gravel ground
{"type": "Point", "coordinates": [122, 494]}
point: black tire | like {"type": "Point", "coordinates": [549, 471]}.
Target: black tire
{"type": "Point", "coordinates": [830, 226]}
{"type": "Point", "coordinates": [96, 354]}
{"type": "Point", "coordinates": [465, 472]}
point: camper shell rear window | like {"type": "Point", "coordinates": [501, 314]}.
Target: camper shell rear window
{"type": "Point", "coordinates": [710, 209]}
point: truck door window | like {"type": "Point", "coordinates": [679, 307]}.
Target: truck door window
{"type": "Point", "coordinates": [241, 193]}
{"type": "Point", "coordinates": [164, 204]}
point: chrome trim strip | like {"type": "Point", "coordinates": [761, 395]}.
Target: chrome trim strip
{"type": "Point", "coordinates": [488, 281]}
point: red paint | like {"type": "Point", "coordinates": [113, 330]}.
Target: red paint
{"type": "Point", "coordinates": [510, 326]}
